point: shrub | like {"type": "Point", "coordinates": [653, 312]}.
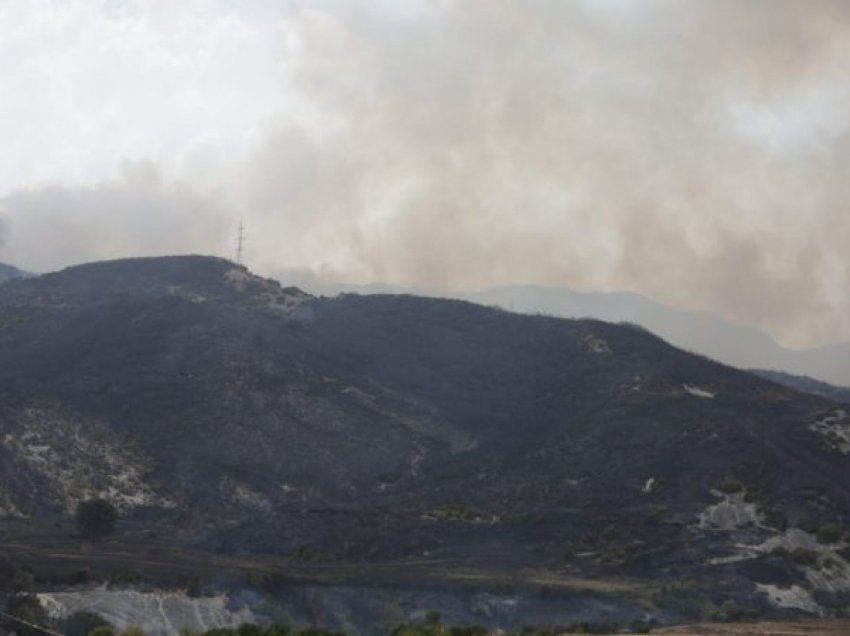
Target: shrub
{"type": "Point", "coordinates": [96, 518]}
{"type": "Point", "coordinates": [468, 630]}
{"type": "Point", "coordinates": [730, 485]}
{"type": "Point", "coordinates": [82, 623]}
{"type": "Point", "coordinates": [804, 556]}
{"type": "Point", "coordinates": [249, 629]}
{"type": "Point", "coordinates": [684, 600]}
{"type": "Point", "coordinates": [641, 627]}
{"type": "Point", "coordinates": [775, 519]}
{"type": "Point", "coordinates": [27, 609]}
{"type": "Point", "coordinates": [22, 580]}
{"type": "Point", "coordinates": [830, 533]}
{"type": "Point", "coordinates": [730, 612]}
{"type": "Point", "coordinates": [836, 602]}
{"type": "Point", "coordinates": [81, 576]}
{"type": "Point", "coordinates": [409, 630]}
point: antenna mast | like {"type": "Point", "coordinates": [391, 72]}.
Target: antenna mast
{"type": "Point", "coordinates": [240, 239]}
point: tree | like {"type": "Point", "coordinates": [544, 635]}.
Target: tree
{"type": "Point", "coordinates": [25, 615]}
{"type": "Point", "coordinates": [96, 518]}
{"type": "Point", "coordinates": [83, 623]}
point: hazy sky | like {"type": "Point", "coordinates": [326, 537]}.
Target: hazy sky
{"type": "Point", "coordinates": [695, 151]}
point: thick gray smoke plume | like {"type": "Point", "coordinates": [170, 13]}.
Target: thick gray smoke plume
{"type": "Point", "coordinates": [138, 214]}
{"type": "Point", "coordinates": [691, 150]}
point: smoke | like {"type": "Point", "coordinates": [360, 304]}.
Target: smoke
{"type": "Point", "coordinates": [691, 150]}
{"type": "Point", "coordinates": [688, 150]}
{"type": "Point", "coordinates": [138, 214]}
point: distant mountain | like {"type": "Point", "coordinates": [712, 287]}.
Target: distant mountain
{"type": "Point", "coordinates": [238, 417]}
{"type": "Point", "coordinates": [807, 385]}
{"type": "Point", "coordinates": [738, 345]}
{"type": "Point", "coordinates": [734, 344]}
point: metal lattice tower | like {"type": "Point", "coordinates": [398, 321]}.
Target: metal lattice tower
{"type": "Point", "coordinates": [240, 240]}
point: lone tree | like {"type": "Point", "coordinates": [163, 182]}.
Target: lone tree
{"type": "Point", "coordinates": [83, 623]}
{"type": "Point", "coordinates": [96, 518]}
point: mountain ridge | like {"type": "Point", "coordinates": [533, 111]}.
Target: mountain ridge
{"type": "Point", "coordinates": [10, 272]}
{"type": "Point", "coordinates": [241, 417]}
{"type": "Point", "coordinates": [701, 332]}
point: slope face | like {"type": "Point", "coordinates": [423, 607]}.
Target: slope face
{"type": "Point", "coordinates": [9, 272]}
{"type": "Point", "coordinates": [806, 384]}
{"type": "Point", "coordinates": [256, 418]}
{"type": "Point", "coordinates": [703, 333]}
{"type": "Point", "coordinates": [731, 343]}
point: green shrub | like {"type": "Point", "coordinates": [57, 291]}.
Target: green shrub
{"type": "Point", "coordinates": [730, 485]}
{"type": "Point", "coordinates": [836, 602]}
{"type": "Point", "coordinates": [468, 630]}
{"type": "Point", "coordinates": [730, 612]}
{"type": "Point", "coordinates": [409, 630]}
{"type": "Point", "coordinates": [22, 580]}
{"type": "Point", "coordinates": [249, 629]}
{"type": "Point", "coordinates": [830, 533]}
{"type": "Point", "coordinates": [683, 600]}
{"type": "Point", "coordinates": [641, 627]}
{"type": "Point", "coordinates": [82, 623]}
{"type": "Point", "coordinates": [28, 609]}
{"type": "Point", "coordinates": [316, 631]}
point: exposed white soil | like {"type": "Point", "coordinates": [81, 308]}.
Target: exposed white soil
{"type": "Point", "coordinates": [835, 428]}
{"type": "Point", "coordinates": [729, 513]}
{"type": "Point", "coordinates": [699, 392]}
{"type": "Point", "coordinates": [157, 613]}
{"type": "Point", "coordinates": [79, 459]}
{"type": "Point", "coordinates": [794, 597]}
{"type": "Point", "coordinates": [830, 574]}
{"type": "Point", "coordinates": [268, 293]}
{"type": "Point", "coordinates": [243, 495]}
{"type": "Point", "coordinates": [594, 344]}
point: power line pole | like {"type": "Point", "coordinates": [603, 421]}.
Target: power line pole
{"type": "Point", "coordinates": [240, 239]}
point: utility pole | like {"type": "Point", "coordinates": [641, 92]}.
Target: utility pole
{"type": "Point", "coordinates": [240, 239]}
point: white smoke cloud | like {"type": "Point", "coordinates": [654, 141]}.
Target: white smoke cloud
{"type": "Point", "coordinates": [138, 214]}
{"type": "Point", "coordinates": [691, 150]}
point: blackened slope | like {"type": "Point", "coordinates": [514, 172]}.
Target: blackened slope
{"type": "Point", "coordinates": [501, 375]}
{"type": "Point", "coordinates": [9, 272]}
{"type": "Point", "coordinates": [386, 426]}
{"type": "Point", "coordinates": [136, 277]}
{"type": "Point", "coordinates": [202, 372]}
{"type": "Point", "coordinates": [548, 399]}
{"type": "Point", "coordinates": [806, 384]}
